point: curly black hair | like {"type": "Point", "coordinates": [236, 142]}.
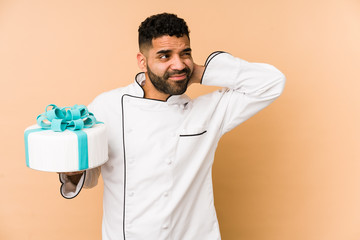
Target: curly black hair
{"type": "Point", "coordinates": [161, 25]}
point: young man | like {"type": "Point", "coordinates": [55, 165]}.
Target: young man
{"type": "Point", "coordinates": [157, 182]}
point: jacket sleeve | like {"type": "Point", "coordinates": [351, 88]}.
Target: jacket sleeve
{"type": "Point", "coordinates": [88, 179]}
{"type": "Point", "coordinates": [248, 87]}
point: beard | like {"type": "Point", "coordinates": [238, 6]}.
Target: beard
{"type": "Point", "coordinates": [162, 83]}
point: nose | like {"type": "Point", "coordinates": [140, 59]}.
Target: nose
{"type": "Point", "coordinates": [177, 63]}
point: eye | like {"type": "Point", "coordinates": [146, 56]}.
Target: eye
{"type": "Point", "coordinates": [165, 56]}
{"type": "Point", "coordinates": [187, 54]}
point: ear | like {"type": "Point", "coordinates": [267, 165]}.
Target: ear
{"type": "Point", "coordinates": [141, 60]}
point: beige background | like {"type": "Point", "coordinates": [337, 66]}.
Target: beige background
{"type": "Point", "coordinates": [291, 172]}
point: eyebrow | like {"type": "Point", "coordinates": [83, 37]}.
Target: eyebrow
{"type": "Point", "coordinates": [169, 51]}
{"type": "Point", "coordinates": [164, 51]}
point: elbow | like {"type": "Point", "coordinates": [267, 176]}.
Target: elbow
{"type": "Point", "coordinates": [275, 82]}
{"type": "Point", "coordinates": [281, 83]}
{"type": "Point", "coordinates": [278, 82]}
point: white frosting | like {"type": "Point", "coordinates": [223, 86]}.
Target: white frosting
{"type": "Point", "coordinates": [58, 151]}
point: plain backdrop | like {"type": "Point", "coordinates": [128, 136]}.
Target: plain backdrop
{"type": "Point", "coordinates": [289, 173]}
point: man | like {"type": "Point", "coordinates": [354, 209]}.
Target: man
{"type": "Point", "coordinates": [157, 182]}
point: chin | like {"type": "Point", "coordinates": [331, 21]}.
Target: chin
{"type": "Point", "coordinates": [181, 89]}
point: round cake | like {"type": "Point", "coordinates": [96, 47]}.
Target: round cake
{"type": "Point", "coordinates": [66, 151]}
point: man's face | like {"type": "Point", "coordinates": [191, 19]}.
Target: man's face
{"type": "Point", "coordinates": [169, 64]}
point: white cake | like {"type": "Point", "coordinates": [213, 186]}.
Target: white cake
{"type": "Point", "coordinates": [66, 151]}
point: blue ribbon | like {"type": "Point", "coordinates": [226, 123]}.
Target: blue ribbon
{"type": "Point", "coordinates": [72, 118]}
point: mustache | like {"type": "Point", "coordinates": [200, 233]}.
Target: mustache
{"type": "Point", "coordinates": [177, 72]}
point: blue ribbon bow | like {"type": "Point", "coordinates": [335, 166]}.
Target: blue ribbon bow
{"type": "Point", "coordinates": [72, 118]}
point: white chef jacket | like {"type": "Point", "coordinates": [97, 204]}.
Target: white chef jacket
{"type": "Point", "coordinates": [157, 182]}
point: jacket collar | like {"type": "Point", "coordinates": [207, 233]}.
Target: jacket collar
{"type": "Point", "coordinates": [173, 99]}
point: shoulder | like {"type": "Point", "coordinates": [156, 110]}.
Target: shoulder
{"type": "Point", "coordinates": [210, 100]}
{"type": "Point", "coordinates": [105, 97]}
{"type": "Point", "coordinates": [111, 96]}
{"type": "Point", "coordinates": [108, 102]}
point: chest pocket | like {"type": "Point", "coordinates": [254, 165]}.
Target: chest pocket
{"type": "Point", "coordinates": [193, 132]}
{"type": "Point", "coordinates": [194, 148]}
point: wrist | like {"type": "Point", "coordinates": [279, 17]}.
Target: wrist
{"type": "Point", "coordinates": [74, 179]}
{"type": "Point", "coordinates": [197, 73]}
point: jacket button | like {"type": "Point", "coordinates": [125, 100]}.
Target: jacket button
{"type": "Point", "coordinates": [169, 161]}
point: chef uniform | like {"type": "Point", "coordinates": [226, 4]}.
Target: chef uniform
{"type": "Point", "coordinates": [157, 182]}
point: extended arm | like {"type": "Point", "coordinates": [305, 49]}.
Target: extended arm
{"type": "Point", "coordinates": [73, 182]}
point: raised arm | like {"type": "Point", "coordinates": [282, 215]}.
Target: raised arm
{"type": "Point", "coordinates": [247, 87]}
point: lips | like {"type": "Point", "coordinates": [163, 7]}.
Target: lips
{"type": "Point", "coordinates": [177, 77]}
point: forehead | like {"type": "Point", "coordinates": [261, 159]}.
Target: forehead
{"type": "Point", "coordinates": [170, 43]}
